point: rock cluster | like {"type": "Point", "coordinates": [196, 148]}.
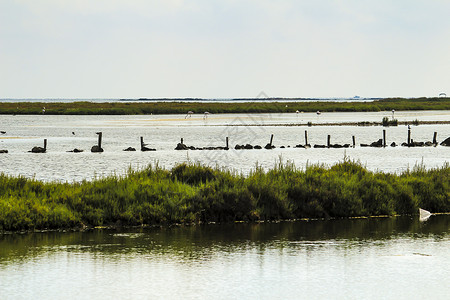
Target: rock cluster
{"type": "Point", "coordinates": [181, 146]}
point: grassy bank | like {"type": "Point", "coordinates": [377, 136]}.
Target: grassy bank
{"type": "Point", "coordinates": [193, 193]}
{"type": "Point", "coordinates": [134, 108]}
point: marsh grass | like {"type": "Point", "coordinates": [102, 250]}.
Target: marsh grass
{"type": "Point", "coordinates": [193, 193]}
{"type": "Point", "coordinates": [180, 107]}
{"type": "Point", "coordinates": [386, 122]}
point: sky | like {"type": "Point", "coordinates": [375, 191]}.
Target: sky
{"type": "Point", "coordinates": [224, 49]}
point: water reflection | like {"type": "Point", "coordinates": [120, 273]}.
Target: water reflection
{"type": "Point", "coordinates": [202, 243]}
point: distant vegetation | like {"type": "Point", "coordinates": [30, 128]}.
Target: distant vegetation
{"type": "Point", "coordinates": [387, 122]}
{"type": "Point", "coordinates": [264, 106]}
{"type": "Point", "coordinates": [191, 193]}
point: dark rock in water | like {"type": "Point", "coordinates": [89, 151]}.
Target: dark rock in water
{"type": "Point", "coordinates": [320, 146]}
{"type": "Point", "coordinates": [428, 144]}
{"type": "Point", "coordinates": [76, 150]}
{"type": "Point", "coordinates": [364, 145]}
{"type": "Point", "coordinates": [181, 146]}
{"type": "Point", "coordinates": [377, 144]}
{"type": "Point", "coordinates": [336, 146]}
{"type": "Point", "coordinates": [130, 149]}
{"type": "Point", "coordinates": [97, 149]}
{"type": "Point", "coordinates": [257, 147]}
{"type": "Point", "coordinates": [404, 144]}
{"type": "Point", "coordinates": [38, 150]}
{"type": "Point", "coordinates": [3, 151]}
{"type": "Point", "coordinates": [417, 144]}
{"type": "Point", "coordinates": [299, 146]}
{"type": "Point", "coordinates": [282, 147]}
{"type": "Point", "coordinates": [248, 147]}
{"type": "Point", "coordinates": [147, 149]}
{"type": "Point", "coordinates": [446, 142]}
{"type": "Point", "coordinates": [239, 147]}
{"type": "Point", "coordinates": [393, 144]}
{"type": "Point", "coordinates": [269, 146]}
{"type": "Point", "coordinates": [289, 146]}
{"type": "Point", "coordinates": [346, 146]}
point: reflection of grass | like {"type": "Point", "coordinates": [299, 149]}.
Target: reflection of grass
{"type": "Point", "coordinates": [193, 193]}
{"type": "Point", "coordinates": [269, 106]}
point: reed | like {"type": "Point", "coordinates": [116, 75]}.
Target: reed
{"type": "Point", "coordinates": [386, 122]}
{"type": "Point", "coordinates": [193, 193]}
{"type": "Point", "coordinates": [180, 107]}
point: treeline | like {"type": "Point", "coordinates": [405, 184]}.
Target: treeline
{"type": "Point", "coordinates": [191, 193]}
{"type": "Point", "coordinates": [135, 108]}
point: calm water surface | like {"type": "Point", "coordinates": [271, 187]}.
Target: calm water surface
{"type": "Point", "coordinates": [378, 258]}
{"type": "Point", "coordinates": [163, 132]}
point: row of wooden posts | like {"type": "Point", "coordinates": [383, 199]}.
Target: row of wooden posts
{"type": "Point", "coordinates": [182, 146]}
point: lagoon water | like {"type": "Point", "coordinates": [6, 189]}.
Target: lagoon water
{"type": "Point", "coordinates": [375, 258]}
{"type": "Point", "coordinates": [163, 132]}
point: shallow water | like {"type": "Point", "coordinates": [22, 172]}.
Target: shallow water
{"type": "Point", "coordinates": [375, 258]}
{"type": "Point", "coordinates": [163, 132]}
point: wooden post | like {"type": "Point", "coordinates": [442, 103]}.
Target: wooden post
{"type": "Point", "coordinates": [99, 139]}
{"type": "Point", "coordinates": [227, 142]}
{"type": "Point", "coordinates": [142, 142]}
{"type": "Point", "coordinates": [354, 142]}
{"type": "Point", "coordinates": [181, 140]}
{"type": "Point", "coordinates": [271, 140]}
{"type": "Point", "coordinates": [435, 138]}
{"type": "Point", "coordinates": [306, 137]}
{"type": "Point", "coordinates": [45, 144]}
{"type": "Point", "coordinates": [328, 141]}
{"type": "Point", "coordinates": [409, 137]}
{"type": "Point", "coordinates": [384, 137]}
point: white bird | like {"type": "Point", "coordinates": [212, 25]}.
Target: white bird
{"type": "Point", "coordinates": [189, 114]}
{"type": "Point", "coordinates": [424, 214]}
{"type": "Point", "coordinates": [205, 115]}
{"type": "Point", "coordinates": [318, 112]}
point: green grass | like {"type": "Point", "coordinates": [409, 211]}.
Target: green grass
{"type": "Point", "coordinates": [191, 193]}
{"type": "Point", "coordinates": [173, 107]}
{"type": "Point", "coordinates": [386, 122]}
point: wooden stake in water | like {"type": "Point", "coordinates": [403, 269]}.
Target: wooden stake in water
{"type": "Point", "coordinates": [384, 137]}
{"type": "Point", "coordinates": [435, 138]}
{"type": "Point", "coordinates": [99, 139]}
{"type": "Point", "coordinates": [271, 140]}
{"type": "Point", "coordinates": [354, 142]}
{"type": "Point", "coordinates": [328, 141]}
{"type": "Point", "coordinates": [98, 147]}
{"type": "Point", "coordinates": [409, 136]}
{"type": "Point", "coordinates": [306, 137]}
{"type": "Point", "coordinates": [226, 142]}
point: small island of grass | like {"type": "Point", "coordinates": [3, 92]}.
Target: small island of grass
{"type": "Point", "coordinates": [191, 193]}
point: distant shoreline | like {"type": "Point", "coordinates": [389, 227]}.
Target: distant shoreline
{"type": "Point", "coordinates": [347, 124]}
{"type": "Point", "coordinates": [183, 107]}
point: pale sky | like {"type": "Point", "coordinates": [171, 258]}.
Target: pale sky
{"type": "Point", "coordinates": [224, 49]}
